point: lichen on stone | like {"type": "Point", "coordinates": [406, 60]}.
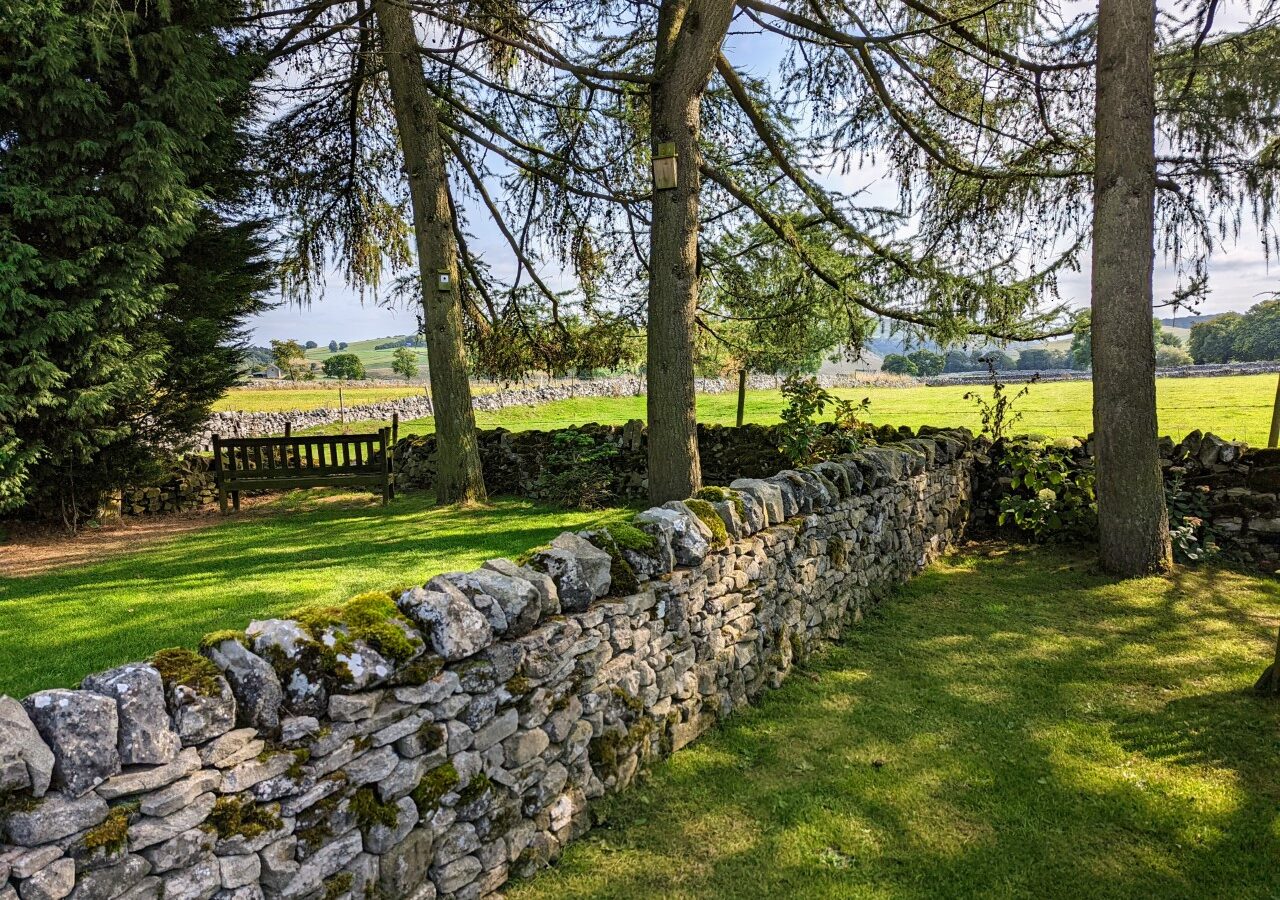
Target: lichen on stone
{"type": "Point", "coordinates": [180, 666]}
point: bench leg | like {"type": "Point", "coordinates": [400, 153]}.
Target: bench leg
{"type": "Point", "coordinates": [222, 499]}
{"type": "Point", "coordinates": [235, 500]}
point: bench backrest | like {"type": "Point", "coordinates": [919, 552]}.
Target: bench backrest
{"type": "Point", "coordinates": [289, 458]}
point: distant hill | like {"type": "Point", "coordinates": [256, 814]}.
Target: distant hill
{"type": "Point", "coordinates": [1187, 321]}
{"type": "Point", "coordinates": [377, 363]}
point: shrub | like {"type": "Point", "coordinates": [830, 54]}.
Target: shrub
{"type": "Point", "coordinates": [1051, 493]}
{"type": "Point", "coordinates": [577, 472]}
{"type": "Point", "coordinates": [802, 439]}
{"type": "Point", "coordinates": [1193, 538]}
{"type": "Point", "coordinates": [998, 415]}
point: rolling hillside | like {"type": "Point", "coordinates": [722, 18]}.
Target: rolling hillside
{"type": "Point", "coordinates": [377, 363]}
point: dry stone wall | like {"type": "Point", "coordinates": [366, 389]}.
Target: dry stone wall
{"type": "Point", "coordinates": [434, 740]}
{"type": "Point", "coordinates": [258, 424]}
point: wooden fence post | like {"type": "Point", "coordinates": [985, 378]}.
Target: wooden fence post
{"type": "Point", "coordinates": [1274, 438]}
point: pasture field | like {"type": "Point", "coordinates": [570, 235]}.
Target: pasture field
{"type": "Point", "coordinates": [313, 395]}
{"type": "Point", "coordinates": [1237, 407]}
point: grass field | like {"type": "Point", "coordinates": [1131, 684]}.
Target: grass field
{"type": "Point", "coordinates": [316, 395]}
{"type": "Point", "coordinates": [1015, 726]}
{"type": "Point", "coordinates": [1236, 407]}
{"type": "Point", "coordinates": [307, 547]}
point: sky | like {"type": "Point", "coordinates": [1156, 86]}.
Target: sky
{"type": "Point", "coordinates": [1240, 274]}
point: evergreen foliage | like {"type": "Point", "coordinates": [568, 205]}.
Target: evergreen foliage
{"type": "Point", "coordinates": [123, 279]}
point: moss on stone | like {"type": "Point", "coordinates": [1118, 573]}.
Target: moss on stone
{"type": "Point", "coordinates": [18, 802]}
{"type": "Point", "coordinates": [434, 785]}
{"type": "Point", "coordinates": [235, 815]}
{"type": "Point", "coordinates": [719, 494]}
{"type": "Point", "coordinates": [180, 666]}
{"type": "Point", "coordinates": [518, 685]}
{"type": "Point", "coordinates": [475, 789]}
{"type": "Point", "coordinates": [301, 757]}
{"type": "Point", "coordinates": [707, 513]}
{"type": "Point", "coordinates": [629, 537]}
{"type": "Point", "coordinates": [112, 834]}
{"type": "Point", "coordinates": [837, 553]}
{"type": "Point", "coordinates": [338, 885]}
{"type": "Point", "coordinates": [369, 812]}
{"type": "Point", "coordinates": [629, 701]}
{"type": "Point", "coordinates": [214, 638]}
{"type": "Point", "coordinates": [622, 576]}
{"type": "Point", "coordinates": [372, 617]}
{"type": "Point", "coordinates": [432, 736]}
{"type": "Point", "coordinates": [421, 670]}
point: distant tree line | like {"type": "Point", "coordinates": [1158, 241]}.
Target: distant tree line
{"type": "Point", "coordinates": [1233, 337]}
{"type": "Point", "coordinates": [1168, 348]}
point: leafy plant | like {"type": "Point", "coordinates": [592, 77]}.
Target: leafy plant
{"type": "Point", "coordinates": [998, 414]}
{"type": "Point", "coordinates": [1193, 538]}
{"type": "Point", "coordinates": [577, 472]}
{"type": "Point", "coordinates": [802, 438]}
{"type": "Point", "coordinates": [1051, 493]}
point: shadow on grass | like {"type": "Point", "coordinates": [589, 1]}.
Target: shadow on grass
{"type": "Point", "coordinates": [1011, 726]}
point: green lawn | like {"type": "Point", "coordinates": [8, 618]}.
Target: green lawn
{"type": "Point", "coordinates": [1236, 407]}
{"type": "Point", "coordinates": [1014, 726]}
{"type": "Point", "coordinates": [59, 626]}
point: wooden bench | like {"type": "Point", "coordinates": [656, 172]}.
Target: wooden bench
{"type": "Point", "coordinates": [279, 463]}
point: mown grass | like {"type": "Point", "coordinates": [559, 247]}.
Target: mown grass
{"type": "Point", "coordinates": [307, 547]}
{"type": "Point", "coordinates": [1237, 407]}
{"type": "Point", "coordinates": [1007, 726]}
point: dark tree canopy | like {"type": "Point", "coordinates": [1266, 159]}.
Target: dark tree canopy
{"type": "Point", "coordinates": [123, 280]}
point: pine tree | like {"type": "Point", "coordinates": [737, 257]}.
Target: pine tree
{"type": "Point", "coordinates": [115, 120]}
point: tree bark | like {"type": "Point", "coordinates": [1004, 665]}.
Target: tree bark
{"type": "Point", "coordinates": [459, 475]}
{"type": "Point", "coordinates": [689, 36]}
{"type": "Point", "coordinates": [1133, 524]}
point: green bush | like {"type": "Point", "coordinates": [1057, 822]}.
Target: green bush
{"type": "Point", "coordinates": [577, 472]}
{"type": "Point", "coordinates": [802, 438]}
{"type": "Point", "coordinates": [1051, 494]}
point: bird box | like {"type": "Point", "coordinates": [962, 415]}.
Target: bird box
{"type": "Point", "coordinates": [664, 166]}
{"type": "Point", "coordinates": [444, 280]}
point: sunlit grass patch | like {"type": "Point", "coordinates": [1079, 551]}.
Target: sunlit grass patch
{"type": "Point", "coordinates": [1011, 723]}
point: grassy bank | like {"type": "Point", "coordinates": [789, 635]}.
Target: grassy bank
{"type": "Point", "coordinates": [1015, 726]}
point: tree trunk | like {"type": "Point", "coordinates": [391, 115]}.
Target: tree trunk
{"type": "Point", "coordinates": [689, 36]}
{"type": "Point", "coordinates": [459, 476]}
{"type": "Point", "coordinates": [1133, 524]}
